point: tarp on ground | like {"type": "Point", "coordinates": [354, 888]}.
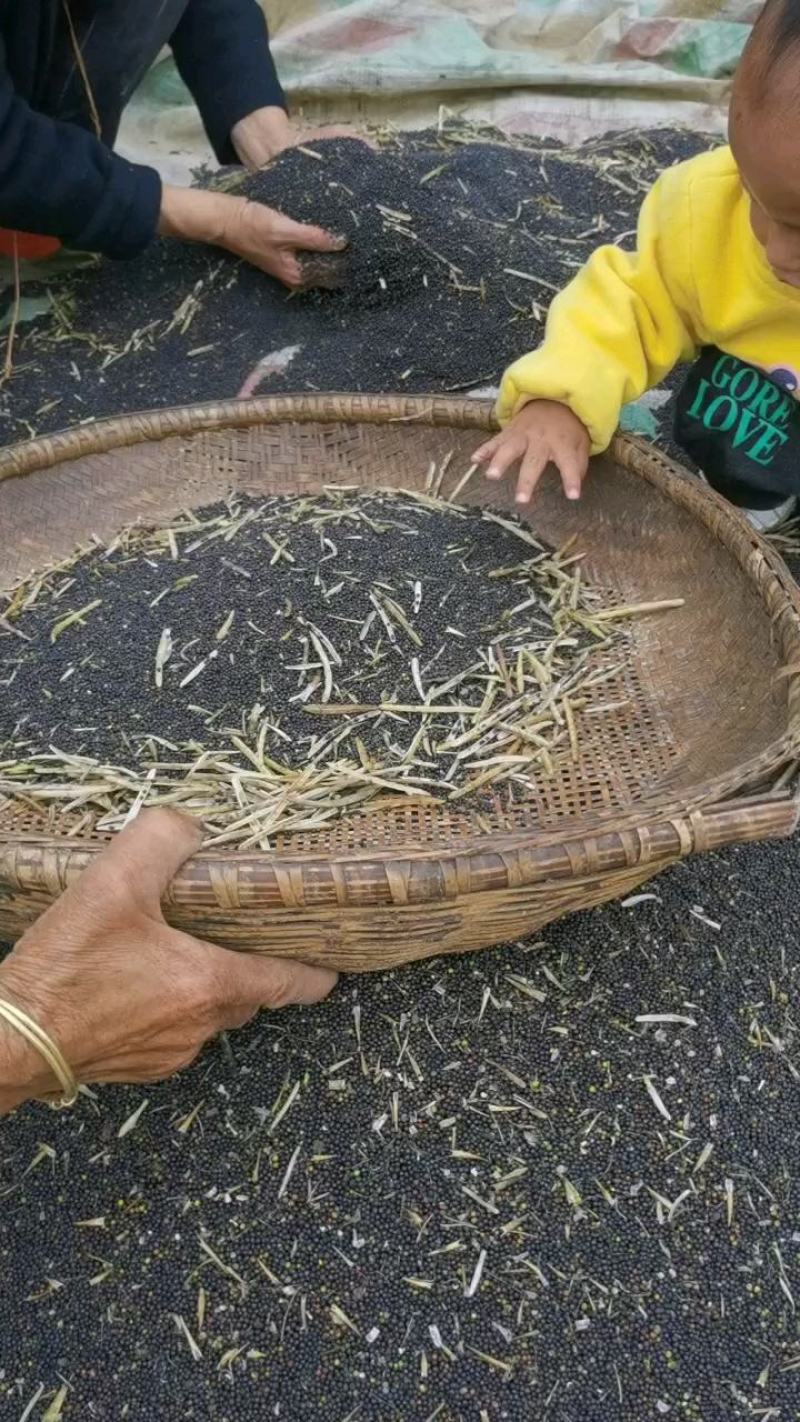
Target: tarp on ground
{"type": "Point", "coordinates": [375, 47]}
{"type": "Point", "coordinates": [558, 66]}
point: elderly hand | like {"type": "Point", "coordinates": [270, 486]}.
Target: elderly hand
{"type": "Point", "coordinates": [126, 997]}
{"type": "Point", "coordinates": [250, 230]}
{"type": "Point", "coordinates": [267, 132]}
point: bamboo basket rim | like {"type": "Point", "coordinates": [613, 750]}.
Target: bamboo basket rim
{"type": "Point", "coordinates": [761, 565]}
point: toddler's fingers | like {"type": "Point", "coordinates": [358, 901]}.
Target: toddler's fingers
{"type": "Point", "coordinates": [533, 466]}
{"type": "Point", "coordinates": [572, 466]}
{"type": "Point", "coordinates": [507, 452]}
{"type": "Point", "coordinates": [487, 450]}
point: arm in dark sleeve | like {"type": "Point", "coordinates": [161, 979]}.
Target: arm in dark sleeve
{"type": "Point", "coordinates": [58, 180]}
{"type": "Point", "coordinates": [221, 48]}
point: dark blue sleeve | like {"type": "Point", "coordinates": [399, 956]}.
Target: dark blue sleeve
{"type": "Point", "coordinates": [57, 180]}
{"type": "Point", "coordinates": [221, 48]}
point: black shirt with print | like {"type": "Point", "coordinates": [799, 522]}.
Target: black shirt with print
{"type": "Point", "coordinates": [742, 428]}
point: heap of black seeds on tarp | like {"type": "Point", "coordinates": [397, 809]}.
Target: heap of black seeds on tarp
{"type": "Point", "coordinates": [456, 250]}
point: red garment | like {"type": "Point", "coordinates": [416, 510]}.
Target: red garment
{"type": "Point", "coordinates": [28, 246]}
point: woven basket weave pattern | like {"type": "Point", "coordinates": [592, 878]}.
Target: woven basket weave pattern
{"type": "Point", "coordinates": [703, 715]}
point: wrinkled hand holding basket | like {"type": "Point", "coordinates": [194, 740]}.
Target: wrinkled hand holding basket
{"type": "Point", "coordinates": [709, 717]}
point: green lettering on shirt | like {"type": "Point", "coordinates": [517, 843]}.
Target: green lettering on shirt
{"type": "Point", "coordinates": [729, 418]}
{"type": "Point", "coordinates": [765, 447]}
{"type": "Point", "coordinates": [699, 399]}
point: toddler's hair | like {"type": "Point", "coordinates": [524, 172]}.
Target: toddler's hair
{"type": "Point", "coordinates": [783, 17]}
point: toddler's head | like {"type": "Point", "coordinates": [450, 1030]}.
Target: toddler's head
{"type": "Point", "coordinates": [765, 134]}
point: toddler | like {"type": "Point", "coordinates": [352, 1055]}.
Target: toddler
{"type": "Point", "coordinates": [715, 279]}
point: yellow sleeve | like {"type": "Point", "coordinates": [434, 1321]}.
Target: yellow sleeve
{"type": "Point", "coordinates": [621, 324]}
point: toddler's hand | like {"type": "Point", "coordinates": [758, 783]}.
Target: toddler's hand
{"type": "Point", "coordinates": [543, 432]}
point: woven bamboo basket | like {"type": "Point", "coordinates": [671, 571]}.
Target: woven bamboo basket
{"type": "Point", "coordinates": [708, 725]}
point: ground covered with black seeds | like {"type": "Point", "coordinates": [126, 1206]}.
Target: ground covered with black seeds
{"type": "Point", "coordinates": [457, 247]}
{"type": "Point", "coordinates": [488, 1187]}
{"type": "Point", "coordinates": [556, 1180]}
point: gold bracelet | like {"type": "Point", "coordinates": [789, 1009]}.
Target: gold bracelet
{"type": "Point", "coordinates": [46, 1048]}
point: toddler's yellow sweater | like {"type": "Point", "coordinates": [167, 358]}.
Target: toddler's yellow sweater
{"type": "Point", "coordinates": [698, 278]}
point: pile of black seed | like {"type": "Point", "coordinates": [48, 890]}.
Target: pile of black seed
{"type": "Point", "coordinates": [456, 250]}
{"type": "Point", "coordinates": [239, 602]}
